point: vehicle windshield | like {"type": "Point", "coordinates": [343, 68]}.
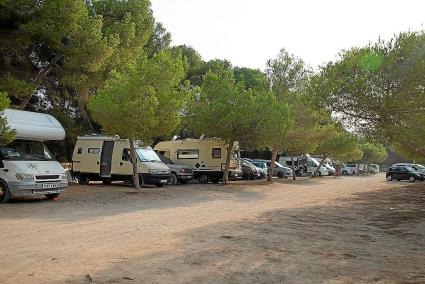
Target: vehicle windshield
{"type": "Point", "coordinates": [279, 165]}
{"type": "Point", "coordinates": [23, 150]}
{"type": "Point", "coordinates": [420, 167]}
{"type": "Point", "coordinates": [165, 160]}
{"type": "Point", "coordinates": [147, 155]}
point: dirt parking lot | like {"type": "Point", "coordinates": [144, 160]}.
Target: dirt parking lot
{"type": "Point", "coordinates": [349, 230]}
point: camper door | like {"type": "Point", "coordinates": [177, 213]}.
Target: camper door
{"type": "Point", "coordinates": [106, 159]}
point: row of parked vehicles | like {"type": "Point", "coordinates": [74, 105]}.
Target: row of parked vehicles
{"type": "Point", "coordinates": [28, 168]}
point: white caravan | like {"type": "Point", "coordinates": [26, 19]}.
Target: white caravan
{"type": "Point", "coordinates": [206, 156]}
{"type": "Point", "coordinates": [107, 159]}
{"type": "Point", "coordinates": [26, 165]}
{"type": "Point", "coordinates": [305, 165]}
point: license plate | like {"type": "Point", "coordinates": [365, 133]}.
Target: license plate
{"type": "Point", "coordinates": [49, 185]}
{"type": "Point", "coordinates": [164, 181]}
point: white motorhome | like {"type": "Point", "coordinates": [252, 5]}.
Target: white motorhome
{"type": "Point", "coordinates": [107, 159]}
{"type": "Point", "coordinates": [206, 156]}
{"type": "Point", "coordinates": [26, 166]}
{"type": "Point", "coordinates": [305, 165]}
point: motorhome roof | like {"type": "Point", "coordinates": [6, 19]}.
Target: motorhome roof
{"type": "Point", "coordinates": [96, 137]}
{"type": "Point", "coordinates": [33, 125]}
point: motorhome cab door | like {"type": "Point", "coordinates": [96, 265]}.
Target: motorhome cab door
{"type": "Point", "coordinates": [106, 159]}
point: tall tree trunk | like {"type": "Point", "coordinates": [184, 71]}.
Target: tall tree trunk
{"type": "Point", "coordinates": [316, 172]}
{"type": "Point", "coordinates": [294, 176]}
{"type": "Point", "coordinates": [274, 155]}
{"type": "Point", "coordinates": [83, 111]}
{"type": "Point", "coordinates": [134, 164]}
{"type": "Point", "coordinates": [227, 167]}
{"type": "Point", "coordinates": [38, 80]}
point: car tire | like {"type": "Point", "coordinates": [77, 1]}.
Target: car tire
{"type": "Point", "coordinates": [83, 180]}
{"type": "Point", "coordinates": [172, 180]}
{"type": "Point", "coordinates": [344, 173]}
{"type": "Point", "coordinates": [52, 196]}
{"type": "Point", "coordinates": [203, 179]}
{"type": "Point", "coordinates": [412, 179]}
{"type": "Point", "coordinates": [389, 178]}
{"type": "Point", "coordinates": [4, 192]}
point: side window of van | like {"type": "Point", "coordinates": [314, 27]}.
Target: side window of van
{"type": "Point", "coordinates": [187, 154]}
{"type": "Point", "coordinates": [93, 150]}
{"type": "Point", "coordinates": [126, 155]}
{"type": "Point", "coordinates": [216, 153]}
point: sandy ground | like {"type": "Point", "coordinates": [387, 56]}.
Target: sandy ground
{"type": "Point", "coordinates": [349, 230]}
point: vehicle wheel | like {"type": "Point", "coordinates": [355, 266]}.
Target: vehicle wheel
{"type": "Point", "coordinates": [280, 175]}
{"type": "Point", "coordinates": [344, 173]}
{"type": "Point", "coordinates": [83, 180]}
{"type": "Point", "coordinates": [301, 172]}
{"type": "Point", "coordinates": [52, 196]}
{"type": "Point", "coordinates": [4, 192]}
{"type": "Point", "coordinates": [389, 178]}
{"type": "Point", "coordinates": [106, 181]}
{"type": "Point", "coordinates": [216, 180]}
{"type": "Point", "coordinates": [160, 185]}
{"type": "Point", "coordinates": [172, 180]}
{"type": "Point", "coordinates": [203, 179]}
{"type": "Point", "coordinates": [412, 179]}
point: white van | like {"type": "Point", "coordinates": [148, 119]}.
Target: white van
{"type": "Point", "coordinates": [107, 159]}
{"type": "Point", "coordinates": [206, 156]}
{"type": "Point", "coordinates": [305, 165]}
{"type": "Point", "coordinates": [26, 165]}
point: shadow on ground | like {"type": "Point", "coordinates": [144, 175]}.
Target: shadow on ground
{"type": "Point", "coordinates": [376, 236]}
{"type": "Point", "coordinates": [97, 200]}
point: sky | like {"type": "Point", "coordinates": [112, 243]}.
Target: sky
{"type": "Point", "coordinates": [249, 32]}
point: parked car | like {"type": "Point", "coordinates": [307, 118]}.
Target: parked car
{"type": "Point", "coordinates": [279, 170]}
{"type": "Point", "coordinates": [404, 173]}
{"type": "Point", "coordinates": [261, 167]}
{"type": "Point", "coordinates": [416, 167]}
{"type": "Point", "coordinates": [179, 173]}
{"type": "Point", "coordinates": [349, 169]}
{"type": "Point", "coordinates": [249, 171]}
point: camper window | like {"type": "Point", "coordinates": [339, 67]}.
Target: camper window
{"type": "Point", "coordinates": [93, 150]}
{"type": "Point", "coordinates": [216, 153]}
{"type": "Point", "coordinates": [188, 154]}
{"type": "Point", "coordinates": [80, 151]}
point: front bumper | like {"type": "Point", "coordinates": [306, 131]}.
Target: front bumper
{"type": "Point", "coordinates": [155, 179]}
{"type": "Point", "coordinates": [182, 176]}
{"type": "Point", "coordinates": [32, 188]}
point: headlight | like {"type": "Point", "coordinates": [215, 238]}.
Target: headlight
{"type": "Point", "coordinates": [153, 171]}
{"type": "Point", "coordinates": [186, 170]}
{"type": "Point", "coordinates": [25, 177]}
{"type": "Point", "coordinates": [63, 176]}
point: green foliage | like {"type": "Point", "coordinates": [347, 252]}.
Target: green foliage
{"type": "Point", "coordinates": [6, 134]}
{"type": "Point", "coordinates": [378, 90]}
{"type": "Point", "coordinates": [273, 121]}
{"type": "Point", "coordinates": [159, 40]}
{"type": "Point", "coordinates": [337, 143]}
{"type": "Point", "coordinates": [222, 108]}
{"type": "Point", "coordinates": [144, 100]}
{"type": "Point", "coordinates": [373, 153]}
{"type": "Point", "coordinates": [252, 78]}
{"type": "Point", "coordinates": [287, 74]}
